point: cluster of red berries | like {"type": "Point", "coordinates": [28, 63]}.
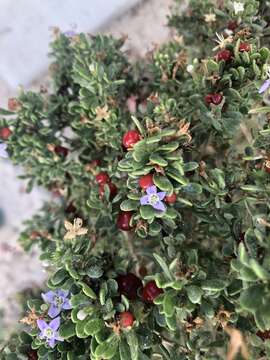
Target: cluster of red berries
{"type": "Point", "coordinates": [5, 133]}
{"type": "Point", "coordinates": [128, 285]}
{"type": "Point", "coordinates": [103, 179]}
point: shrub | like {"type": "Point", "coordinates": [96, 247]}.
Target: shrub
{"type": "Point", "coordinates": [158, 243]}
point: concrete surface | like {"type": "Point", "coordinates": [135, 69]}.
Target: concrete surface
{"type": "Point", "coordinates": [24, 34]}
{"type": "Point", "coordinates": [144, 25]}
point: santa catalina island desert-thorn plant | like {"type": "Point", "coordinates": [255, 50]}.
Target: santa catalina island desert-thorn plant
{"type": "Point", "coordinates": [159, 241]}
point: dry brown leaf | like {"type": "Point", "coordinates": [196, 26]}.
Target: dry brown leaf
{"type": "Point", "coordinates": [102, 113]}
{"type": "Point", "coordinates": [74, 229]}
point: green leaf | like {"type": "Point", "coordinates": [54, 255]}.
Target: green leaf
{"type": "Point", "coordinates": [4, 112]}
{"type": "Point", "coordinates": [107, 349]}
{"type": "Point", "coordinates": [138, 124]}
{"type": "Point", "coordinates": [124, 350]}
{"type": "Point", "coordinates": [192, 188]}
{"type": "Point", "coordinates": [190, 166]}
{"type": "Point", "coordinates": [59, 277]}
{"type": "Point", "coordinates": [214, 285]}
{"type": "Point", "coordinates": [79, 327]}
{"type": "Point", "coordinates": [129, 205]}
{"type": "Point", "coordinates": [163, 266]}
{"type": "Point", "coordinates": [177, 176]}
{"type": "Point", "coordinates": [212, 66]}
{"type": "Point", "coordinates": [88, 291]}
{"type": "Point", "coordinates": [170, 147]}
{"type": "Point", "coordinates": [67, 330]}
{"type": "Point", "coordinates": [132, 341]}
{"type": "Point", "coordinates": [157, 159]}
{"type": "Point", "coordinates": [78, 300]}
{"type": "Point", "coordinates": [194, 293]}
{"type": "Point", "coordinates": [259, 270]}
{"type": "Point", "coordinates": [243, 256]}
{"type": "Point", "coordinates": [147, 212]}
{"type": "Point", "coordinates": [163, 183]}
{"type": "Point", "coordinates": [251, 298]}
{"type": "Point", "coordinates": [260, 110]}
{"type": "Point", "coordinates": [169, 303]}
{"type": "Point", "coordinates": [93, 326]}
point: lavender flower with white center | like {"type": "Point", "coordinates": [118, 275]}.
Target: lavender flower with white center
{"type": "Point", "coordinates": [58, 300]}
{"type": "Point", "coordinates": [49, 332]}
{"type": "Point", "coordinates": [154, 198]}
{"type": "Point", "coordinates": [3, 151]}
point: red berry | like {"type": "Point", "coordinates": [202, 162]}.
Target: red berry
{"type": "Point", "coordinates": [146, 181]}
{"type": "Point", "coordinates": [130, 138]}
{"type": "Point", "coordinates": [128, 285]}
{"type": "Point", "coordinates": [244, 47]}
{"type": "Point", "coordinates": [112, 187]}
{"type": "Point", "coordinates": [225, 55]}
{"type": "Point", "coordinates": [213, 98]}
{"type": "Point", "coordinates": [123, 220]}
{"type": "Point", "coordinates": [232, 25]}
{"type": "Point", "coordinates": [208, 99]}
{"type": "Point", "coordinates": [5, 133]}
{"type": "Point", "coordinates": [102, 178]}
{"type": "Point", "coordinates": [126, 319]}
{"type": "Point", "coordinates": [217, 98]}
{"type": "Point", "coordinates": [61, 150]}
{"type": "Point", "coordinates": [171, 199]}
{"type": "Point", "coordinates": [151, 291]}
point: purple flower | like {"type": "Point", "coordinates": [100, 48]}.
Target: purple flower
{"type": "Point", "coordinates": [3, 151]}
{"type": "Point", "coordinates": [58, 300]}
{"type": "Point", "coordinates": [70, 33]}
{"type": "Point", "coordinates": [154, 198]}
{"type": "Point", "coordinates": [49, 332]}
{"type": "Point", "coordinates": [264, 86]}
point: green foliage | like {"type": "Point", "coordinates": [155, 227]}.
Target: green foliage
{"type": "Point", "coordinates": [208, 252]}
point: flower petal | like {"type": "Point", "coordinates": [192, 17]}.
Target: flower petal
{"type": "Point", "coordinates": [159, 206]}
{"type": "Point", "coordinates": [161, 195]}
{"type": "Point", "coordinates": [42, 325]}
{"type": "Point", "coordinates": [55, 323]}
{"type": "Point", "coordinates": [51, 342]}
{"type": "Point", "coordinates": [48, 297]}
{"type": "Point", "coordinates": [62, 293]}
{"type": "Point", "coordinates": [67, 305]}
{"type": "Point", "coordinates": [57, 337]}
{"type": "Point", "coordinates": [54, 311]}
{"type": "Point", "coordinates": [264, 86]}
{"type": "Point", "coordinates": [151, 190]}
{"type": "Point", "coordinates": [144, 200]}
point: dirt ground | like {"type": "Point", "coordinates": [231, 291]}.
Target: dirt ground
{"type": "Point", "coordinates": [145, 26]}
